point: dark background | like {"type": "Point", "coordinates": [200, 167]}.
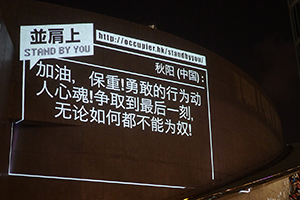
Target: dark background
{"type": "Point", "coordinates": [255, 35]}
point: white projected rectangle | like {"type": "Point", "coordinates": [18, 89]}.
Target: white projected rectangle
{"type": "Point", "coordinates": [54, 41]}
{"type": "Point", "coordinates": [149, 47]}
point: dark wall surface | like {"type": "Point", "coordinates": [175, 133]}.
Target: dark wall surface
{"type": "Point", "coordinates": [6, 53]}
{"type": "Point", "coordinates": [119, 121]}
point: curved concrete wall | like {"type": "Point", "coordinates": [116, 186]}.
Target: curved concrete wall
{"type": "Point", "coordinates": [229, 127]}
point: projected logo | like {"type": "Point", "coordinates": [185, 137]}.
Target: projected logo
{"type": "Point", "coordinates": [117, 83]}
{"type": "Point", "coordinates": [55, 41]}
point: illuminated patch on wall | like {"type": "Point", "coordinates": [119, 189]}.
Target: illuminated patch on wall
{"type": "Point", "coordinates": [122, 84]}
{"type": "Point", "coordinates": [55, 41]}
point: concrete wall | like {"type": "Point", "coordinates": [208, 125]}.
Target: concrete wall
{"type": "Point", "coordinates": [279, 189]}
{"type": "Point", "coordinates": [245, 128]}
{"type": "Point", "coordinates": [6, 52]}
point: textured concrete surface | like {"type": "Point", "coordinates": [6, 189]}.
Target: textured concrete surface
{"type": "Point", "coordinates": [245, 128]}
{"type": "Point", "coordinates": [276, 190]}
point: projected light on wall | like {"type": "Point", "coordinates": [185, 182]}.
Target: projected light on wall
{"type": "Point", "coordinates": [111, 82]}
